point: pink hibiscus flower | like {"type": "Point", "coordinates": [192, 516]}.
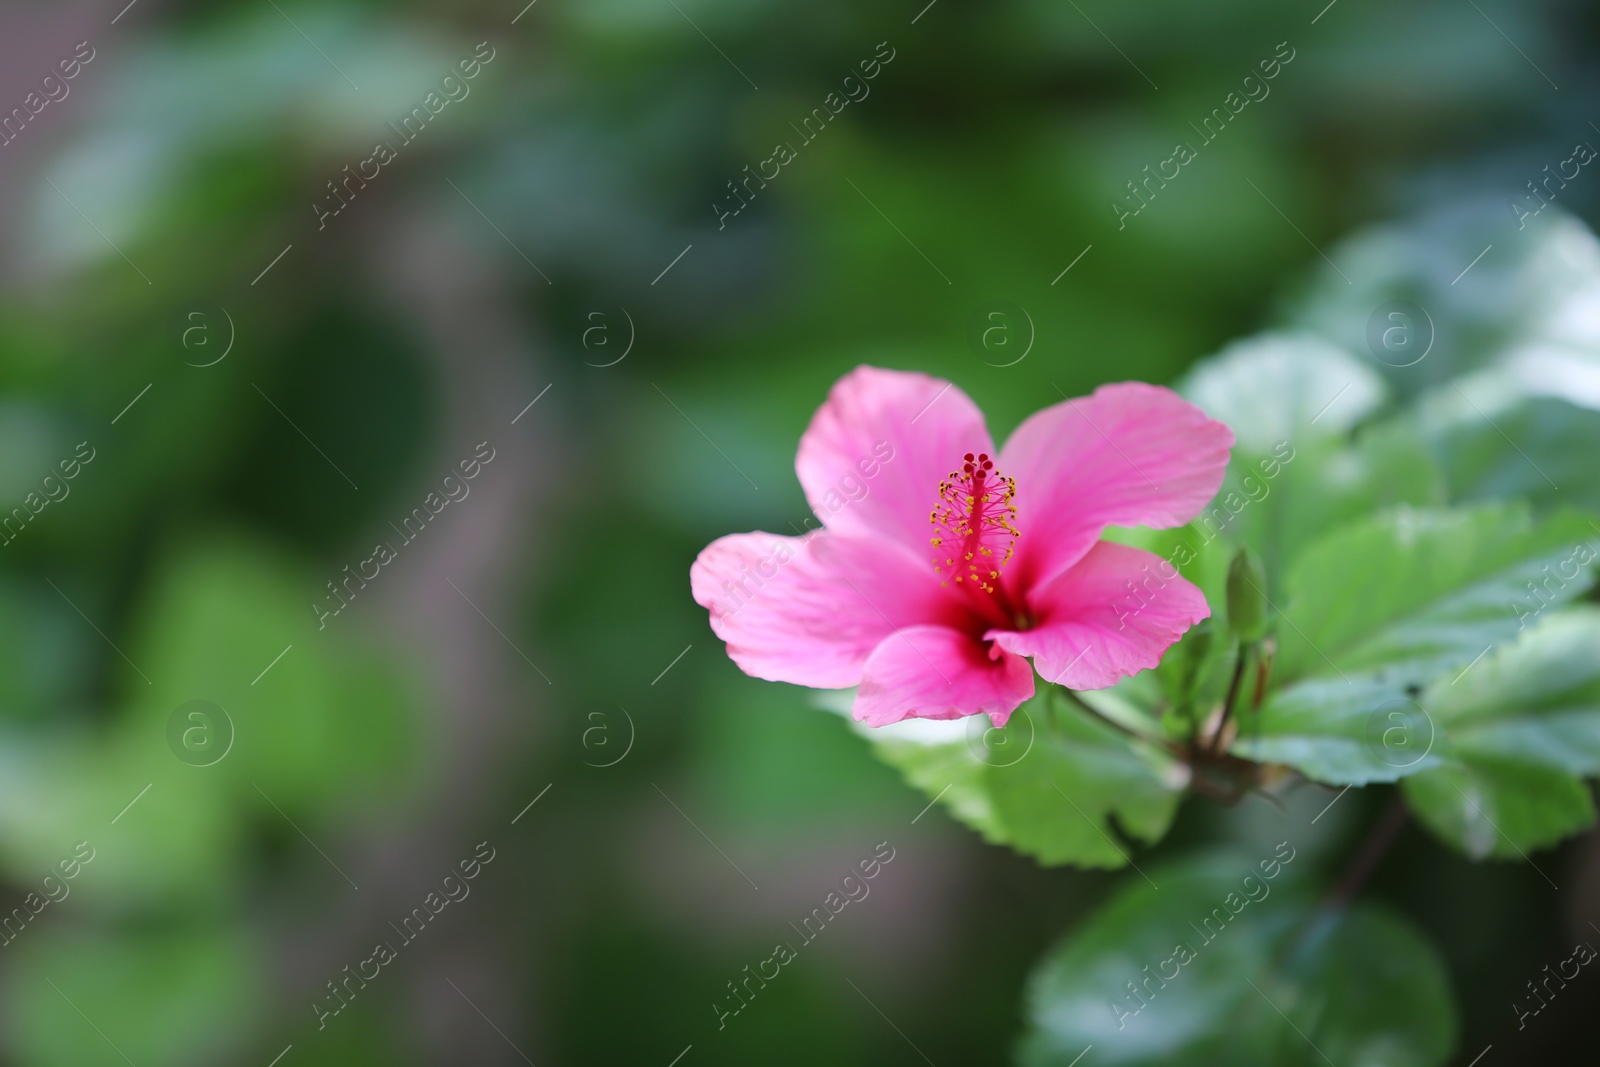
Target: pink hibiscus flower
{"type": "Point", "coordinates": [944, 564]}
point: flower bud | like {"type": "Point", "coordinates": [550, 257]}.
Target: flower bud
{"type": "Point", "coordinates": [1247, 597]}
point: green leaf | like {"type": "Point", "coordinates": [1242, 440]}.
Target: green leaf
{"type": "Point", "coordinates": [1293, 401]}
{"type": "Point", "coordinates": [1516, 737]}
{"type": "Point", "coordinates": [1287, 502]}
{"type": "Point", "coordinates": [1382, 608]}
{"type": "Point", "coordinates": [1486, 806]}
{"type": "Point", "coordinates": [1055, 783]}
{"type": "Point", "coordinates": [1341, 733]}
{"type": "Point", "coordinates": [1411, 593]}
{"type": "Point", "coordinates": [1282, 387]}
{"type": "Point", "coordinates": [1057, 802]}
{"type": "Point", "coordinates": [1529, 302]}
{"type": "Point", "coordinates": [1275, 981]}
{"type": "Point", "coordinates": [1555, 445]}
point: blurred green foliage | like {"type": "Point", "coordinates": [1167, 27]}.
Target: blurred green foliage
{"type": "Point", "coordinates": [596, 144]}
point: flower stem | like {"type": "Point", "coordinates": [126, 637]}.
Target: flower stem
{"type": "Point", "coordinates": [1073, 696]}
{"type": "Point", "coordinates": [1266, 652]}
{"type": "Point", "coordinates": [1214, 742]}
{"type": "Point", "coordinates": [1383, 834]}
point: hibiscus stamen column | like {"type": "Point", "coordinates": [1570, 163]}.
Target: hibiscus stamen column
{"type": "Point", "coordinates": [974, 527]}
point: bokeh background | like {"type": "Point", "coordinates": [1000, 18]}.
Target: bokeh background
{"type": "Point", "coordinates": [538, 641]}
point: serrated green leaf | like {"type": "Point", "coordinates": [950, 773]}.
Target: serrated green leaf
{"type": "Point", "coordinates": [1499, 807]}
{"type": "Point", "coordinates": [1515, 737]}
{"type": "Point", "coordinates": [1276, 981]}
{"type": "Point", "coordinates": [1320, 485]}
{"type": "Point", "coordinates": [1057, 802]}
{"type": "Point", "coordinates": [1410, 593]}
{"type": "Point", "coordinates": [1378, 610]}
{"type": "Point", "coordinates": [1056, 784]}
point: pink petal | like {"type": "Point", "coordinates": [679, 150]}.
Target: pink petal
{"type": "Point", "coordinates": [1130, 455]}
{"type": "Point", "coordinates": [935, 672]}
{"type": "Point", "coordinates": [875, 452]}
{"type": "Point", "coordinates": [810, 610]}
{"type": "Point", "coordinates": [1095, 627]}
